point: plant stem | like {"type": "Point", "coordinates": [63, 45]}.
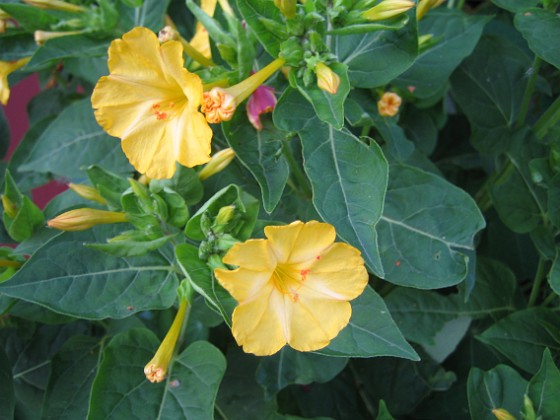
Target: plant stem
{"type": "Point", "coordinates": [528, 92]}
{"type": "Point", "coordinates": [547, 120]}
{"type": "Point", "coordinates": [539, 276]}
{"type": "Point", "coordinates": [25, 372]}
{"type": "Point", "coordinates": [296, 171]}
{"type": "Point", "coordinates": [549, 299]}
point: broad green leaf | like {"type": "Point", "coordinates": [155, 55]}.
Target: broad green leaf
{"type": "Point", "coordinates": [375, 59]}
{"type": "Point", "coordinates": [422, 314]}
{"type": "Point", "coordinates": [121, 389]}
{"type": "Point", "coordinates": [515, 5]}
{"type": "Point", "coordinates": [428, 226]}
{"type": "Point", "coordinates": [554, 274]}
{"type": "Point", "coordinates": [371, 332]}
{"type": "Point", "coordinates": [7, 397]}
{"type": "Point", "coordinates": [501, 387]}
{"type": "Point", "coordinates": [329, 107]}
{"type": "Point", "coordinates": [523, 336]}
{"type": "Point", "coordinates": [110, 185]}
{"type": "Point", "coordinates": [71, 279]}
{"type": "Point", "coordinates": [256, 13]}
{"type": "Point", "coordinates": [289, 366]}
{"type": "Point", "coordinates": [72, 372]}
{"type": "Point", "coordinates": [261, 153]}
{"type": "Point", "coordinates": [185, 182]}
{"type": "Point", "coordinates": [29, 17]}
{"type": "Point", "coordinates": [150, 14]}
{"type": "Point", "coordinates": [544, 388]}
{"type": "Point", "coordinates": [65, 147]}
{"type": "Point", "coordinates": [16, 45]}
{"type": "Point", "coordinates": [204, 282]}
{"type": "Point", "coordinates": [489, 87]}
{"type": "Point", "coordinates": [348, 179]}
{"type": "Point", "coordinates": [457, 34]}
{"type": "Point", "coordinates": [538, 27]}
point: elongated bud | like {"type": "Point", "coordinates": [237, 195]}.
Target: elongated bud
{"type": "Point", "coordinates": [502, 414]}
{"type": "Point", "coordinates": [156, 369]}
{"type": "Point", "coordinates": [327, 79]}
{"type": "Point", "coordinates": [168, 34]}
{"type": "Point", "coordinates": [287, 7]}
{"type": "Point", "coordinates": [6, 68]}
{"type": "Point", "coordinates": [10, 208]}
{"type": "Point", "coordinates": [217, 164]}
{"type": "Point", "coordinates": [56, 5]}
{"type": "Point", "coordinates": [219, 103]}
{"type": "Point", "coordinates": [387, 9]}
{"type": "Point", "coordinates": [43, 36]}
{"type": "Point", "coordinates": [82, 219]}
{"type": "Point", "coordinates": [425, 5]}
{"type": "Point", "coordinates": [225, 214]}
{"type": "Point", "coordinates": [388, 105]}
{"type": "Point", "coordinates": [528, 408]}
{"type": "Point", "coordinates": [87, 192]}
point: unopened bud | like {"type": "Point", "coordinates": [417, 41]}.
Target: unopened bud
{"type": "Point", "coordinates": [387, 9]}
{"type": "Point", "coordinates": [502, 414]}
{"type": "Point", "coordinates": [217, 164]}
{"type": "Point", "coordinates": [10, 208]}
{"type": "Point", "coordinates": [87, 192]}
{"type": "Point", "coordinates": [425, 5]}
{"type": "Point", "coordinates": [168, 34]}
{"type": "Point", "coordinates": [388, 105]}
{"type": "Point", "coordinates": [56, 5]}
{"type": "Point", "coordinates": [218, 105]}
{"type": "Point", "coordinates": [327, 79]}
{"type": "Point", "coordinates": [6, 68]}
{"type": "Point", "coordinates": [225, 214]}
{"type": "Point", "coordinates": [287, 7]}
{"type": "Point", "coordinates": [82, 219]}
{"type": "Point", "coordinates": [43, 36]}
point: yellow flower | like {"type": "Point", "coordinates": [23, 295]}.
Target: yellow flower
{"type": "Point", "coordinates": [292, 287]}
{"type": "Point", "coordinates": [201, 41]}
{"type": "Point", "coordinates": [151, 102]}
{"type": "Point", "coordinates": [7, 67]}
{"type": "Point", "coordinates": [388, 105]}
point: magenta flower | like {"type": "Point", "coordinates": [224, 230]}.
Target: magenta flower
{"type": "Point", "coordinates": [260, 102]}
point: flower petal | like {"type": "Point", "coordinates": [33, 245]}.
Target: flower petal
{"type": "Point", "coordinates": [314, 323]}
{"type": "Point", "coordinates": [243, 284]}
{"type": "Point", "coordinates": [260, 326]}
{"type": "Point", "coordinates": [298, 241]}
{"type": "Point", "coordinates": [254, 254]}
{"type": "Point", "coordinates": [191, 137]}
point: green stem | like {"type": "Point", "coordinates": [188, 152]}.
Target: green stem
{"type": "Point", "coordinates": [539, 276]}
{"type": "Point", "coordinates": [529, 92]}
{"type": "Point", "coordinates": [25, 372]}
{"type": "Point", "coordinates": [549, 299]}
{"type": "Point", "coordinates": [547, 120]}
{"type": "Point", "coordinates": [296, 171]}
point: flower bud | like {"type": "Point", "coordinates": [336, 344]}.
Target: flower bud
{"type": "Point", "coordinates": [43, 36]}
{"type": "Point", "coordinates": [387, 9]}
{"type": "Point", "coordinates": [502, 414]}
{"type": "Point", "coordinates": [225, 214]}
{"type": "Point", "coordinates": [56, 5]}
{"type": "Point", "coordinates": [287, 7]}
{"type": "Point", "coordinates": [156, 369]}
{"type": "Point", "coordinates": [217, 164]}
{"type": "Point", "coordinates": [87, 192]}
{"type": "Point", "coordinates": [425, 5]}
{"type": "Point", "coordinates": [6, 68]}
{"type": "Point", "coordinates": [10, 208]}
{"type": "Point", "coordinates": [327, 79]}
{"type": "Point", "coordinates": [218, 105]}
{"type": "Point", "coordinates": [388, 105]}
{"type": "Point", "coordinates": [82, 219]}
{"type": "Point", "coordinates": [168, 34]}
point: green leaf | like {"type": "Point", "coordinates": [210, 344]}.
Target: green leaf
{"type": "Point", "coordinates": [523, 336]}
{"type": "Point", "coordinates": [65, 147]}
{"type": "Point", "coordinates": [383, 412]}
{"type": "Point", "coordinates": [289, 366]}
{"type": "Point", "coordinates": [151, 14]}
{"type": "Point", "coordinates": [139, 244]}
{"type": "Point", "coordinates": [375, 59]}
{"type": "Point", "coordinates": [427, 228]}
{"type": "Point", "coordinates": [457, 34]}
{"type": "Point", "coordinates": [554, 274]}
{"type": "Point", "coordinates": [329, 107]}
{"type": "Point", "coordinates": [515, 5]}
{"type": "Point", "coordinates": [78, 281]}
{"type": "Point", "coordinates": [370, 332]}
{"type": "Point", "coordinates": [261, 153]}
{"type": "Point", "coordinates": [31, 18]}
{"type": "Point", "coordinates": [16, 45]}
{"type": "Point", "coordinates": [254, 12]}
{"type": "Point", "coordinates": [501, 387]}
{"type": "Point", "coordinates": [184, 182]}
{"type": "Point", "coordinates": [72, 372]}
{"type": "Point", "coordinates": [349, 179]}
{"type": "Point", "coordinates": [121, 389]}
{"type": "Point", "coordinates": [7, 396]}
{"type": "Point", "coordinates": [538, 27]}
{"type": "Point", "coordinates": [544, 388]}
{"type": "Point", "coordinates": [392, 24]}
{"type": "Point", "coordinates": [110, 185]}
{"type": "Point", "coordinates": [489, 87]}
{"type": "Point", "coordinates": [204, 282]}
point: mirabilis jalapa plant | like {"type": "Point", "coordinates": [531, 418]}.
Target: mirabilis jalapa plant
{"type": "Point", "coordinates": [282, 209]}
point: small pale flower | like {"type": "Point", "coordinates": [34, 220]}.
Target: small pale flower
{"type": "Point", "coordinates": [151, 102]}
{"type": "Point", "coordinates": [6, 68]}
{"type": "Point", "coordinates": [388, 105]}
{"type": "Point", "coordinates": [261, 101]}
{"type": "Point", "coordinates": [292, 288]}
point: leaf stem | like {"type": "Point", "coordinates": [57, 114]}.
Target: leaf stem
{"type": "Point", "coordinates": [359, 384]}
{"type": "Point", "coordinates": [547, 120]}
{"type": "Point", "coordinates": [529, 89]}
{"type": "Point", "coordinates": [296, 171]}
{"type": "Point", "coordinates": [539, 276]}
{"type": "Point", "coordinates": [549, 299]}
{"type": "Point", "coordinates": [25, 372]}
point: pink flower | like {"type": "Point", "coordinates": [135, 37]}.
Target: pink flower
{"type": "Point", "coordinates": [260, 102]}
